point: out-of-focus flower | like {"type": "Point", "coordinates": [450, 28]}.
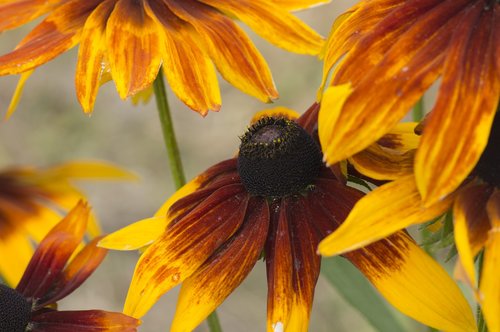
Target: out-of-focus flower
{"type": "Point", "coordinates": [392, 51]}
{"type": "Point", "coordinates": [128, 41]}
{"type": "Point", "coordinates": [476, 215]}
{"type": "Point", "coordinates": [274, 200]}
{"type": "Point", "coordinates": [31, 202]}
{"type": "Point", "coordinates": [50, 276]}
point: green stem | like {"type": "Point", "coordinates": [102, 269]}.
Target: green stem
{"type": "Point", "coordinates": [481, 324]}
{"type": "Point", "coordinates": [174, 158]}
{"type": "Point", "coordinates": [418, 110]}
{"type": "Point", "coordinates": [167, 127]}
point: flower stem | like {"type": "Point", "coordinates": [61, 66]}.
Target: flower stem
{"type": "Point", "coordinates": [167, 127]}
{"type": "Point", "coordinates": [418, 110]}
{"type": "Point", "coordinates": [174, 158]}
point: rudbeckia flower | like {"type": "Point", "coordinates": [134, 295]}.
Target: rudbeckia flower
{"type": "Point", "coordinates": [476, 212]}
{"type": "Point", "coordinates": [51, 276]}
{"type": "Point", "coordinates": [31, 200]}
{"type": "Point", "coordinates": [391, 52]}
{"type": "Point", "coordinates": [131, 39]}
{"type": "Point", "coordinates": [275, 200]}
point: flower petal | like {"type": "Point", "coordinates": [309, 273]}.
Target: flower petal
{"type": "Point", "coordinates": [184, 246]}
{"type": "Point", "coordinates": [12, 268]}
{"type": "Point", "coordinates": [53, 253]}
{"type": "Point", "coordinates": [489, 286]}
{"type": "Point", "coordinates": [88, 170]}
{"type": "Point", "coordinates": [278, 111]}
{"type": "Point", "coordinates": [439, 167]}
{"type": "Point", "coordinates": [84, 321]}
{"type": "Point", "coordinates": [16, 97]}
{"type": "Point", "coordinates": [229, 47]}
{"type": "Point", "coordinates": [382, 164]}
{"type": "Point", "coordinates": [385, 210]}
{"type": "Point", "coordinates": [133, 47]}
{"type": "Point", "coordinates": [414, 283]}
{"type": "Point", "coordinates": [298, 4]}
{"type": "Point", "coordinates": [214, 280]}
{"type": "Point", "coordinates": [401, 138]}
{"type": "Point", "coordinates": [273, 23]}
{"type": "Point", "coordinates": [16, 13]}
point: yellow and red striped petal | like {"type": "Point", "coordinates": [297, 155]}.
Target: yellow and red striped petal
{"type": "Point", "coordinates": [234, 55]}
{"type": "Point", "coordinates": [489, 287]}
{"type": "Point", "coordinates": [384, 211]}
{"type": "Point", "coordinates": [214, 280]}
{"type": "Point", "coordinates": [184, 246]}
{"type": "Point", "coordinates": [91, 53]}
{"type": "Point", "coordinates": [138, 38]}
{"type": "Point", "coordinates": [16, 13]}
{"type": "Point", "coordinates": [414, 283]}
{"type": "Point", "coordinates": [382, 164]}
{"type": "Point", "coordinates": [83, 321]}
{"type": "Point", "coordinates": [468, 99]}
{"type": "Point", "coordinates": [401, 138]}
{"type": "Point", "coordinates": [273, 23]}
{"type": "Point", "coordinates": [471, 225]}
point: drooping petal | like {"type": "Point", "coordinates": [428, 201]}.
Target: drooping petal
{"type": "Point", "coordinates": [59, 32]}
{"type": "Point", "coordinates": [12, 268]}
{"type": "Point", "coordinates": [78, 270]}
{"type": "Point", "coordinates": [385, 210]}
{"type": "Point", "coordinates": [468, 99]}
{"type": "Point", "coordinates": [471, 225]}
{"type": "Point", "coordinates": [489, 287]}
{"type": "Point", "coordinates": [84, 321]}
{"type": "Point", "coordinates": [184, 246]}
{"type": "Point", "coordinates": [133, 47]}
{"type": "Point", "coordinates": [382, 164]}
{"type": "Point", "coordinates": [189, 70]}
{"type": "Point", "coordinates": [210, 285]}
{"type": "Point", "coordinates": [16, 97]}
{"type": "Point", "coordinates": [53, 253]}
{"type": "Point", "coordinates": [91, 53]}
{"type": "Point", "coordinates": [229, 47]}
{"type": "Point", "coordinates": [414, 283]}
{"type": "Point", "coordinates": [273, 23]}
{"type": "Point", "coordinates": [16, 13]}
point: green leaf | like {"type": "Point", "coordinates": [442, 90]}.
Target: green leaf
{"type": "Point", "coordinates": [358, 292]}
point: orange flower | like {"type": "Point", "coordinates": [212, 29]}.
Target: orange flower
{"type": "Point", "coordinates": [131, 39]}
{"type": "Point", "coordinates": [52, 275]}
{"type": "Point", "coordinates": [394, 50]}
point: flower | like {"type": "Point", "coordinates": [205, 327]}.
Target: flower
{"type": "Point", "coordinates": [131, 39]}
{"type": "Point", "coordinates": [476, 213]}
{"type": "Point", "coordinates": [394, 50]}
{"type": "Point", "coordinates": [31, 200]}
{"type": "Point", "coordinates": [49, 277]}
{"type": "Point", "coordinates": [274, 200]}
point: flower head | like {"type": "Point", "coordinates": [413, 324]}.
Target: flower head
{"type": "Point", "coordinates": [31, 200]}
{"type": "Point", "coordinates": [476, 218]}
{"type": "Point", "coordinates": [394, 51]}
{"type": "Point", "coordinates": [275, 200]}
{"type": "Point", "coordinates": [128, 41]}
{"type": "Point", "coordinates": [52, 275]}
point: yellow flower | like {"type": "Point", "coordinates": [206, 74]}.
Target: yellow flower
{"type": "Point", "coordinates": [55, 271]}
{"type": "Point", "coordinates": [396, 205]}
{"type": "Point", "coordinates": [131, 39]}
{"type": "Point", "coordinates": [274, 200]}
{"type": "Point", "coordinates": [393, 51]}
{"type": "Point", "coordinates": [31, 200]}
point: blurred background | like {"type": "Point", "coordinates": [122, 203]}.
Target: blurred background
{"type": "Point", "coordinates": [49, 127]}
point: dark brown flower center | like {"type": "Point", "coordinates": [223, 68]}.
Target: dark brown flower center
{"type": "Point", "coordinates": [488, 166]}
{"type": "Point", "coordinates": [15, 310]}
{"type": "Point", "coordinates": [277, 158]}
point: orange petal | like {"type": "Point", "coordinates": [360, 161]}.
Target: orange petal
{"type": "Point", "coordinates": [385, 210]}
{"type": "Point", "coordinates": [273, 23]}
{"type": "Point", "coordinates": [414, 283]}
{"type": "Point", "coordinates": [382, 164]}
{"type": "Point", "coordinates": [16, 13]}
{"type": "Point", "coordinates": [298, 4]}
{"type": "Point", "coordinates": [230, 49]}
{"type": "Point", "coordinates": [210, 285]}
{"type": "Point", "coordinates": [89, 68]}
{"type": "Point", "coordinates": [133, 45]}
{"type": "Point", "coordinates": [467, 99]}
{"type": "Point", "coordinates": [84, 321]}
{"type": "Point", "coordinates": [184, 246]}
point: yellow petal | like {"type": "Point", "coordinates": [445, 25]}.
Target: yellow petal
{"type": "Point", "coordinates": [88, 170]}
{"type": "Point", "coordinates": [18, 93]}
{"type": "Point", "coordinates": [278, 111]}
{"type": "Point", "coordinates": [382, 164]}
{"type": "Point", "coordinates": [135, 236]}
{"type": "Point", "coordinates": [16, 251]}
{"type": "Point", "coordinates": [489, 287]}
{"type": "Point", "coordinates": [298, 4]}
{"type": "Point", "coordinates": [385, 210]}
{"type": "Point", "coordinates": [414, 283]}
{"type": "Point", "coordinates": [401, 138]}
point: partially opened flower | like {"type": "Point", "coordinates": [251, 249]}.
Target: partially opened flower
{"type": "Point", "coordinates": [52, 275]}
{"type": "Point", "coordinates": [31, 200]}
{"type": "Point", "coordinates": [392, 51]}
{"type": "Point", "coordinates": [476, 212]}
{"type": "Point", "coordinates": [131, 39]}
{"type": "Point", "coordinates": [274, 200]}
